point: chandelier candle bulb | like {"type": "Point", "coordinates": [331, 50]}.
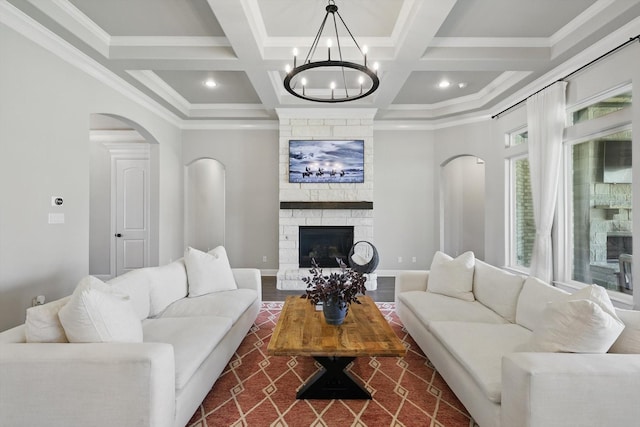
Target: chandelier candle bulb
{"type": "Point", "coordinates": [295, 56]}
{"type": "Point", "coordinates": [365, 50]}
{"type": "Point", "coordinates": [329, 50]}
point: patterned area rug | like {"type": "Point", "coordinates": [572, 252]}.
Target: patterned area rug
{"type": "Point", "coordinates": [259, 390]}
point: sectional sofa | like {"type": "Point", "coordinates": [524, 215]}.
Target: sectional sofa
{"type": "Point", "coordinates": [153, 368]}
{"type": "Point", "coordinates": [518, 352]}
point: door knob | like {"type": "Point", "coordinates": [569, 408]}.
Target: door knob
{"type": "Point", "coordinates": [118, 235]}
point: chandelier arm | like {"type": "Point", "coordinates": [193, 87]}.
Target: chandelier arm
{"type": "Point", "coordinates": [349, 31]}
{"type": "Point", "coordinates": [316, 40]}
{"type": "Point", "coordinates": [344, 77]}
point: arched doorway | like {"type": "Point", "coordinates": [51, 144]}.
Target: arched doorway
{"type": "Point", "coordinates": [204, 204]}
{"type": "Point", "coordinates": [123, 210]}
{"type": "Point", "coordinates": [462, 205]}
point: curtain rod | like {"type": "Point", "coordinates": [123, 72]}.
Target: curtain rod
{"type": "Point", "coordinates": [615, 49]}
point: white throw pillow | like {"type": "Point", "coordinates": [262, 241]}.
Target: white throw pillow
{"type": "Point", "coordinates": [208, 272]}
{"type": "Point", "coordinates": [629, 339]}
{"type": "Point", "coordinates": [585, 322]}
{"type": "Point", "coordinates": [96, 313]}
{"type": "Point", "coordinates": [167, 284]}
{"type": "Point", "coordinates": [135, 283]}
{"type": "Point", "coordinates": [42, 323]}
{"type": "Point", "coordinates": [452, 277]}
{"type": "Point", "coordinates": [497, 289]}
{"type": "Point", "coordinates": [533, 300]}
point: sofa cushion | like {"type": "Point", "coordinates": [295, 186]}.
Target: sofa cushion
{"type": "Point", "coordinates": [533, 299]}
{"type": "Point", "coordinates": [192, 338]}
{"type": "Point", "coordinates": [479, 348]}
{"type": "Point", "coordinates": [167, 283]}
{"type": "Point", "coordinates": [208, 272]}
{"type": "Point", "coordinates": [43, 324]}
{"type": "Point", "coordinates": [629, 339]}
{"type": "Point", "coordinates": [230, 304]}
{"type": "Point", "coordinates": [497, 289]}
{"type": "Point", "coordinates": [429, 307]}
{"type": "Point", "coordinates": [135, 283]}
{"type": "Point", "coordinates": [585, 322]}
{"type": "Point", "coordinates": [95, 313]}
{"type": "Point", "coordinates": [452, 277]}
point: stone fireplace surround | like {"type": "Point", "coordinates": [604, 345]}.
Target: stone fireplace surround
{"type": "Point", "coordinates": [321, 203]}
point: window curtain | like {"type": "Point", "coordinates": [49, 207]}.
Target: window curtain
{"type": "Point", "coordinates": [546, 119]}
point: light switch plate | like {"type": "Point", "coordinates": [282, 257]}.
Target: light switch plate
{"type": "Point", "coordinates": [56, 218]}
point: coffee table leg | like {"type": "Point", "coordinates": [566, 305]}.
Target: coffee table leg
{"type": "Point", "coordinates": [333, 382]}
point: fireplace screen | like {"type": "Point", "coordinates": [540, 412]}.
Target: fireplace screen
{"type": "Point", "coordinates": [325, 244]}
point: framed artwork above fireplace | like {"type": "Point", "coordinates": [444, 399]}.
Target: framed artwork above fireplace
{"type": "Point", "coordinates": [326, 161]}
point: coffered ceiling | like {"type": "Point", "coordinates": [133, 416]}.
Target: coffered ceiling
{"type": "Point", "coordinates": [492, 51]}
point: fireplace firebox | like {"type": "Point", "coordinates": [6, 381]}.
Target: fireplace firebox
{"type": "Point", "coordinates": [324, 244]}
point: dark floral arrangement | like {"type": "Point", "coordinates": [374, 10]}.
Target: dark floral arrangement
{"type": "Point", "coordinates": [343, 287]}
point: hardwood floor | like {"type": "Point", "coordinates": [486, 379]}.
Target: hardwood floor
{"type": "Point", "coordinates": [384, 293]}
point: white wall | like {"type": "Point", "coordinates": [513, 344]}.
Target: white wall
{"type": "Point", "coordinates": [204, 208]}
{"type": "Point", "coordinates": [99, 210]}
{"type": "Point", "coordinates": [250, 159]}
{"type": "Point", "coordinates": [403, 199]}
{"type": "Point", "coordinates": [45, 106]}
{"type": "Point", "coordinates": [476, 139]}
{"type": "Point", "coordinates": [462, 198]}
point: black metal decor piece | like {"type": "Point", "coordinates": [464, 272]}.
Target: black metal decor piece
{"type": "Point", "coordinates": [367, 268]}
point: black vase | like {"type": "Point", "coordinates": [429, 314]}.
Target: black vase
{"type": "Point", "coordinates": [334, 312]}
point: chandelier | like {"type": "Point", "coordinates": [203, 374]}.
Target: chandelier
{"type": "Point", "coordinates": [354, 80]}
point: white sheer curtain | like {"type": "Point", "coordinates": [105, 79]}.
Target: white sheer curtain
{"type": "Point", "coordinates": [546, 119]}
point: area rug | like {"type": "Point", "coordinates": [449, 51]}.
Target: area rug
{"type": "Point", "coordinates": [259, 390]}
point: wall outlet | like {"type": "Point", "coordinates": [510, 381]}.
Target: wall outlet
{"type": "Point", "coordinates": [399, 259]}
{"type": "Point", "coordinates": [414, 259]}
{"type": "Point", "coordinates": [264, 258]}
{"type": "Point", "coordinates": [39, 300]}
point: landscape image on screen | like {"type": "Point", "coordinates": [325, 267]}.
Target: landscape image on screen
{"type": "Point", "coordinates": [326, 161]}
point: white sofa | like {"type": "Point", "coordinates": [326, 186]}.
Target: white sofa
{"type": "Point", "coordinates": [480, 348]}
{"type": "Point", "coordinates": [187, 342]}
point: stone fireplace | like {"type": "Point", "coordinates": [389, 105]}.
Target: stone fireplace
{"type": "Point", "coordinates": [322, 204]}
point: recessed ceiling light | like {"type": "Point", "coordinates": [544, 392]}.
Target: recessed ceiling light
{"type": "Point", "coordinates": [209, 83]}
{"type": "Point", "coordinates": [462, 85]}
{"type": "Point", "coordinates": [444, 84]}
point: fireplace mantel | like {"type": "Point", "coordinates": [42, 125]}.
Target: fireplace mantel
{"type": "Point", "coordinates": [326, 205]}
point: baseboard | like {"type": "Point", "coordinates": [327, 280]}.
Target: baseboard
{"type": "Point", "coordinates": [268, 272]}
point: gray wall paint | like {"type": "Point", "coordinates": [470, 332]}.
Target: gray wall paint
{"type": "Point", "coordinates": [100, 210]}
{"type": "Point", "coordinates": [404, 192]}
{"type": "Point", "coordinates": [44, 151]}
{"type": "Point", "coordinates": [204, 211]}
{"type": "Point", "coordinates": [463, 206]}
{"type": "Point", "coordinates": [250, 158]}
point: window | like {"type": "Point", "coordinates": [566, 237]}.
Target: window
{"type": "Point", "coordinates": [601, 108]}
{"type": "Point", "coordinates": [523, 225]}
{"type": "Point", "coordinates": [518, 137]}
{"type": "Point", "coordinates": [601, 215]}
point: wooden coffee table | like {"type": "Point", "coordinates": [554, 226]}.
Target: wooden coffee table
{"type": "Point", "coordinates": [302, 331]}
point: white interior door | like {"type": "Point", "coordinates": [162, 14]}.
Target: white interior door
{"type": "Point", "coordinates": [131, 215]}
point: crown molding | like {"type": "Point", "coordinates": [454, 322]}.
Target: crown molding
{"type": "Point", "coordinates": [230, 125]}
{"type": "Point", "coordinates": [603, 45]}
{"type": "Point", "coordinates": [169, 41]}
{"type": "Point", "coordinates": [593, 11]}
{"type": "Point", "coordinates": [30, 29]}
{"type": "Point", "coordinates": [160, 87]}
{"type": "Point", "coordinates": [490, 42]}
{"type": "Point", "coordinates": [326, 113]}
